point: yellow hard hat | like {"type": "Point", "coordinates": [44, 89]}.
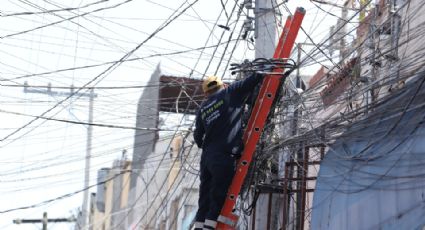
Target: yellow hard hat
{"type": "Point", "coordinates": [212, 82]}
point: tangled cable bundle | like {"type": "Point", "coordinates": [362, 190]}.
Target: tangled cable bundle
{"type": "Point", "coordinates": [264, 65]}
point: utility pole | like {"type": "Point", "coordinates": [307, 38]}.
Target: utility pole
{"type": "Point", "coordinates": [298, 153]}
{"type": "Point", "coordinates": [91, 96]}
{"type": "Point", "coordinates": [265, 44]}
{"type": "Point", "coordinates": [85, 206]}
{"type": "Point", "coordinates": [370, 94]}
{"type": "Point", "coordinates": [265, 29]}
{"type": "Point", "coordinates": [44, 221]}
{"type": "Point", "coordinates": [342, 26]}
{"type": "Point", "coordinates": [298, 77]}
{"type": "Point", "coordinates": [395, 30]}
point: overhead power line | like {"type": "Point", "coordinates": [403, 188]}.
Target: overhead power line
{"type": "Point", "coordinates": [64, 20]}
{"type": "Point", "coordinates": [115, 62]}
{"type": "Point", "coordinates": [110, 68]}
{"type": "Point", "coordinates": [63, 196]}
{"type": "Point", "coordinates": [55, 10]}
{"type": "Point", "coordinates": [87, 123]}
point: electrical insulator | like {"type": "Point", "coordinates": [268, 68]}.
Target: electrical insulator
{"type": "Point", "coordinates": [247, 24]}
{"type": "Point", "coordinates": [248, 4]}
{"type": "Point", "coordinates": [49, 88]}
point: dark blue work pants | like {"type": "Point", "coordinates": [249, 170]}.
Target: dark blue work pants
{"type": "Point", "coordinates": [217, 170]}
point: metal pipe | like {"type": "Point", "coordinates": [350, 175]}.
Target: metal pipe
{"type": "Point", "coordinates": [304, 187]}
{"type": "Point", "coordinates": [269, 211]}
{"type": "Point", "coordinates": [285, 198]}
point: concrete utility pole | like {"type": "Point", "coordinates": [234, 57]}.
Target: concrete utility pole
{"type": "Point", "coordinates": [338, 40]}
{"type": "Point", "coordinates": [265, 44]}
{"type": "Point", "coordinates": [342, 26]}
{"type": "Point", "coordinates": [298, 153]}
{"type": "Point", "coordinates": [265, 28]}
{"type": "Point", "coordinates": [85, 207]}
{"type": "Point", "coordinates": [44, 221]}
{"type": "Point", "coordinates": [91, 96]}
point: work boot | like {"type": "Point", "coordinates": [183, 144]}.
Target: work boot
{"type": "Point", "coordinates": [210, 224]}
{"type": "Point", "coordinates": [198, 225]}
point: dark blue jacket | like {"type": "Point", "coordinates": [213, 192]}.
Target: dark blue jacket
{"type": "Point", "coordinates": [218, 126]}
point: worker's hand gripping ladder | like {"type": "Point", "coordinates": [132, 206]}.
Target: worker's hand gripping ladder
{"type": "Point", "coordinates": [227, 219]}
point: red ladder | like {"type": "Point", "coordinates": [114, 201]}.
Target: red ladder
{"type": "Point", "coordinates": [227, 219]}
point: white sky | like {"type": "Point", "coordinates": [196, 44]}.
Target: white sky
{"type": "Point", "coordinates": [46, 159]}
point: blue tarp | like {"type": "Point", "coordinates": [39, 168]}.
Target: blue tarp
{"type": "Point", "coordinates": [373, 176]}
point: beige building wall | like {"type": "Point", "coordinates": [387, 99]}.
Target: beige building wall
{"type": "Point", "coordinates": [112, 218]}
{"type": "Point", "coordinates": [101, 220]}
{"type": "Point", "coordinates": [95, 216]}
{"type": "Point", "coordinates": [126, 184]}
{"type": "Point", "coordinates": [108, 203]}
{"type": "Point", "coordinates": [176, 145]}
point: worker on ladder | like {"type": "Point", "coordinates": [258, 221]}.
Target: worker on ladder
{"type": "Point", "coordinates": [218, 131]}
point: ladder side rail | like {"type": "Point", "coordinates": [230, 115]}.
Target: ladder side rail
{"type": "Point", "coordinates": [276, 54]}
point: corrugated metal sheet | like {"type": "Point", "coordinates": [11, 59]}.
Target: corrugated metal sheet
{"type": "Point", "coordinates": [373, 176]}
